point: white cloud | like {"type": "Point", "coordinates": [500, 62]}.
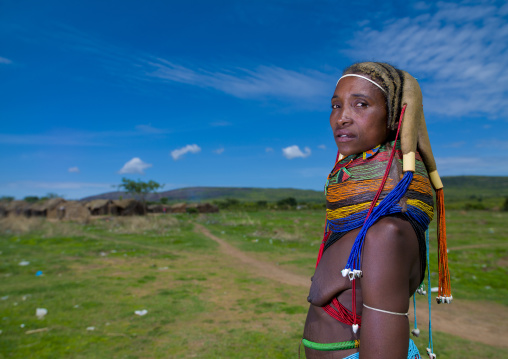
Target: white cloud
{"type": "Point", "coordinates": [179, 152]}
{"type": "Point", "coordinates": [5, 61]}
{"type": "Point", "coordinates": [219, 150]}
{"type": "Point", "coordinates": [53, 186]}
{"type": "Point", "coordinates": [135, 165]}
{"type": "Point", "coordinates": [243, 83]}
{"type": "Point", "coordinates": [295, 152]}
{"type": "Point", "coordinates": [77, 138]}
{"type": "Point", "coordinates": [74, 169]}
{"type": "Point", "coordinates": [493, 144]}
{"type": "Point", "coordinates": [457, 52]}
{"type": "Point", "coordinates": [457, 144]}
{"type": "Point", "coordinates": [323, 147]}
{"type": "Point", "coordinates": [319, 172]}
{"type": "Point", "coordinates": [71, 139]}
{"type": "Point", "coordinates": [268, 149]}
{"type": "Point", "coordinates": [304, 86]}
{"type": "Point", "coordinates": [20, 189]}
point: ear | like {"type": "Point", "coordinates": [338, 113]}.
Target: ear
{"type": "Point", "coordinates": [414, 131]}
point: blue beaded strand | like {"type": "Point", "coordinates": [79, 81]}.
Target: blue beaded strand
{"type": "Point", "coordinates": [387, 206]}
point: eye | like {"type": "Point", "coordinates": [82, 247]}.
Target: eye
{"type": "Point", "coordinates": [335, 106]}
{"type": "Point", "coordinates": [361, 104]}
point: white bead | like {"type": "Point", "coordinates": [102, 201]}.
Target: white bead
{"type": "Point", "coordinates": [415, 332]}
{"type": "Point", "coordinates": [431, 355]}
{"type": "Point", "coordinates": [355, 328]}
{"type": "Point", "coordinates": [345, 272]}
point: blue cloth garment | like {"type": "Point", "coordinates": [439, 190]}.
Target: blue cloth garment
{"type": "Point", "coordinates": [412, 352]}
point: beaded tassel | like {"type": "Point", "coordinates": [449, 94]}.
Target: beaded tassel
{"type": "Point", "coordinates": [444, 291]}
{"type": "Point", "coordinates": [430, 349]}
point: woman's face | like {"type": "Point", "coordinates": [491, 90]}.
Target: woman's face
{"type": "Point", "coordinates": [358, 117]}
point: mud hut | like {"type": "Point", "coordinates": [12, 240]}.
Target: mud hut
{"type": "Point", "coordinates": [192, 208]}
{"type": "Point", "coordinates": [17, 208]}
{"type": "Point", "coordinates": [3, 210]}
{"type": "Point", "coordinates": [179, 208]}
{"type": "Point", "coordinates": [55, 208]}
{"type": "Point", "coordinates": [207, 208]}
{"type": "Point", "coordinates": [158, 208]}
{"type": "Point", "coordinates": [99, 207]}
{"type": "Point", "coordinates": [76, 211]}
{"type": "Point", "coordinates": [38, 209]}
{"type": "Point", "coordinates": [127, 207]}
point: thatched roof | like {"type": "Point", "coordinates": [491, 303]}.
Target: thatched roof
{"type": "Point", "coordinates": [127, 207]}
{"type": "Point", "coordinates": [16, 208]}
{"type": "Point", "coordinates": [13, 205]}
{"type": "Point", "coordinates": [179, 208]}
{"type": "Point", "coordinates": [52, 203]}
{"type": "Point", "coordinates": [37, 209]}
{"type": "Point", "coordinates": [125, 203]}
{"type": "Point", "coordinates": [98, 203]}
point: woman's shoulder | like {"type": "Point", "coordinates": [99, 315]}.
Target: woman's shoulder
{"type": "Point", "coordinates": [392, 232]}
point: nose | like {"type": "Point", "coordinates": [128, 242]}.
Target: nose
{"type": "Point", "coordinates": [341, 117]}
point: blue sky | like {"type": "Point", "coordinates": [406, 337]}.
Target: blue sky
{"type": "Point", "coordinates": [231, 93]}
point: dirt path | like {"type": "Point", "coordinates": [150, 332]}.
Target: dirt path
{"type": "Point", "coordinates": [483, 322]}
{"type": "Point", "coordinates": [264, 269]}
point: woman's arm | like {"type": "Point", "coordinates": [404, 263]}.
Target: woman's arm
{"type": "Point", "coordinates": [390, 264]}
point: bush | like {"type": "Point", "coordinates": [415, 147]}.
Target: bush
{"type": "Point", "coordinates": [228, 203]}
{"type": "Point", "coordinates": [262, 204]}
{"type": "Point", "coordinates": [474, 206]}
{"type": "Point", "coordinates": [289, 202]}
{"type": "Point", "coordinates": [505, 204]}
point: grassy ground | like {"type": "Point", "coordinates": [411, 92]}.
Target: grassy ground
{"type": "Point", "coordinates": [200, 304]}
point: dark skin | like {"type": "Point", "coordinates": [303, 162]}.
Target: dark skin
{"type": "Point", "coordinates": [390, 257]}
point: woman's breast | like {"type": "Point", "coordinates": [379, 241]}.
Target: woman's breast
{"type": "Point", "coordinates": [328, 281]}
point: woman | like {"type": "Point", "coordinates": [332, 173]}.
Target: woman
{"type": "Point", "coordinates": [379, 205]}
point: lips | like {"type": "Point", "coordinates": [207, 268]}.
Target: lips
{"type": "Point", "coordinates": [344, 135]}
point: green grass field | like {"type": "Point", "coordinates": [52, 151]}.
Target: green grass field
{"type": "Point", "coordinates": [200, 303]}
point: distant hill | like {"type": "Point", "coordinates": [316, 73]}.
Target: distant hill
{"type": "Point", "coordinates": [475, 192]}
{"type": "Point", "coordinates": [459, 190]}
{"type": "Point", "coordinates": [200, 194]}
{"type": "Point", "coordinates": [461, 187]}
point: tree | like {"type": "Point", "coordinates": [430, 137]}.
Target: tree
{"type": "Point", "coordinates": [287, 202]}
{"type": "Point", "coordinates": [140, 189]}
{"type": "Point", "coordinates": [51, 195]}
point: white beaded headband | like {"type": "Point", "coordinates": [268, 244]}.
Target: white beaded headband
{"type": "Point", "coordinates": [363, 77]}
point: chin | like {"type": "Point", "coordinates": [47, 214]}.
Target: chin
{"type": "Point", "coordinates": [346, 152]}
